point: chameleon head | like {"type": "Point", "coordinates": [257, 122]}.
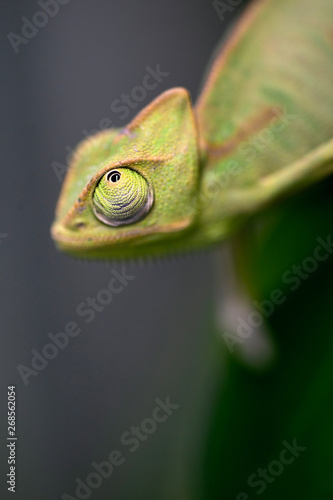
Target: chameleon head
{"type": "Point", "coordinates": [128, 192]}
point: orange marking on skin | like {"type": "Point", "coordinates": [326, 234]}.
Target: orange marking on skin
{"type": "Point", "coordinates": [253, 126]}
{"type": "Point", "coordinates": [165, 97]}
{"type": "Point", "coordinates": [240, 30]}
{"type": "Point", "coordinates": [330, 36]}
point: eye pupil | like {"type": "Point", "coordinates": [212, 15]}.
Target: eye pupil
{"type": "Point", "coordinates": [114, 176]}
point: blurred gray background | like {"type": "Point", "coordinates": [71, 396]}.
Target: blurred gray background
{"type": "Point", "coordinates": [150, 341]}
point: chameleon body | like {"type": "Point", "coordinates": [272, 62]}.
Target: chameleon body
{"type": "Point", "coordinates": [182, 177]}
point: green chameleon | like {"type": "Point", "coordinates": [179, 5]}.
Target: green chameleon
{"type": "Point", "coordinates": [180, 178]}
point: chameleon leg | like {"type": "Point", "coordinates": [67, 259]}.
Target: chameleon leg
{"type": "Point", "coordinates": [236, 316]}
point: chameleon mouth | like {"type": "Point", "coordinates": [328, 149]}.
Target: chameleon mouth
{"type": "Point", "coordinates": [118, 243]}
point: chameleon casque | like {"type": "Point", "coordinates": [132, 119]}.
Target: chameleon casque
{"type": "Point", "coordinates": [180, 178]}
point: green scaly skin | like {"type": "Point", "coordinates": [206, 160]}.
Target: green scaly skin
{"type": "Point", "coordinates": [261, 129]}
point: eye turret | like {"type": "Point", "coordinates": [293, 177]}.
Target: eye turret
{"type": "Point", "coordinates": [122, 196]}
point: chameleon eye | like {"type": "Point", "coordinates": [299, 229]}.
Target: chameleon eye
{"type": "Point", "coordinates": [122, 196]}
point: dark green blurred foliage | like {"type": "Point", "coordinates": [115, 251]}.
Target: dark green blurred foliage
{"type": "Point", "coordinates": [293, 399]}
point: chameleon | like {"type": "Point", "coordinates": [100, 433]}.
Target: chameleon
{"type": "Point", "coordinates": [182, 177]}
